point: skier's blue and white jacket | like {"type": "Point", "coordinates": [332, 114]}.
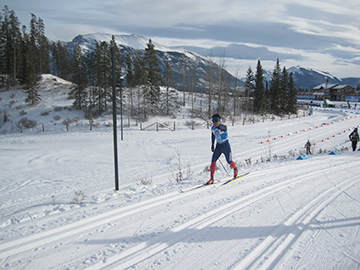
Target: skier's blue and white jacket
{"type": "Point", "coordinates": [220, 134]}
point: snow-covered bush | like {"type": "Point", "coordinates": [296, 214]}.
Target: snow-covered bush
{"type": "Point", "coordinates": [25, 122]}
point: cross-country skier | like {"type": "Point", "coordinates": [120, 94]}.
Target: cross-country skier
{"type": "Point", "coordinates": [354, 138]}
{"type": "Point", "coordinates": [308, 147]}
{"type": "Point", "coordinates": [219, 132]}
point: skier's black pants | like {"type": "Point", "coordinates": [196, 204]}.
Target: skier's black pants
{"type": "Point", "coordinates": [354, 143]}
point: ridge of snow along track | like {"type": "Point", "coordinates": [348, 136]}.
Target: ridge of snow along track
{"type": "Point", "coordinates": [34, 241]}
{"type": "Point", "coordinates": [142, 251]}
{"type": "Point", "coordinates": [273, 248]}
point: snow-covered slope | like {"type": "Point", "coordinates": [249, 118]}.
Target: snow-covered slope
{"type": "Point", "coordinates": [51, 112]}
{"type": "Point", "coordinates": [136, 42]}
{"type": "Point", "coordinates": [58, 209]}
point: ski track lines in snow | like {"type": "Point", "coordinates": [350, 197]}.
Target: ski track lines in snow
{"type": "Point", "coordinates": [270, 251]}
{"type": "Point", "coordinates": [267, 252]}
{"type": "Point", "coordinates": [290, 230]}
{"type": "Point", "coordinates": [294, 140]}
{"type": "Point", "coordinates": [282, 146]}
{"type": "Point", "coordinates": [32, 242]}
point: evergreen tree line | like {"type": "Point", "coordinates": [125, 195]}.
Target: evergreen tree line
{"type": "Point", "coordinates": [25, 55]}
{"type": "Point", "coordinates": [278, 98]}
{"type": "Point", "coordinates": [92, 76]}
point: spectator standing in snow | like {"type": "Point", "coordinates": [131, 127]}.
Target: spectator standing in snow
{"type": "Point", "coordinates": [220, 134]}
{"type": "Point", "coordinates": [308, 148]}
{"type": "Point", "coordinates": [354, 138]}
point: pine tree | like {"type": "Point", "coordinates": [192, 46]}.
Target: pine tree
{"type": "Point", "coordinates": [130, 77]}
{"type": "Point", "coordinates": [118, 61]}
{"type": "Point", "coordinates": [118, 68]}
{"type": "Point", "coordinates": [249, 87]}
{"type": "Point", "coordinates": [44, 48]}
{"type": "Point", "coordinates": [139, 81]}
{"type": "Point", "coordinates": [90, 68]}
{"type": "Point", "coordinates": [32, 77]}
{"type": "Point", "coordinates": [275, 89]}
{"type": "Point", "coordinates": [259, 95]}
{"type": "Point", "coordinates": [39, 45]}
{"type": "Point", "coordinates": [10, 41]}
{"type": "Point", "coordinates": [103, 72]}
{"type": "Point", "coordinates": [33, 61]}
{"type": "Point", "coordinates": [61, 66]}
{"type": "Point", "coordinates": [33, 44]}
{"type": "Point", "coordinates": [139, 69]}
{"type": "Point", "coordinates": [25, 56]}
{"type": "Point", "coordinates": [79, 79]}
{"type": "Point", "coordinates": [171, 96]}
{"type": "Point", "coordinates": [152, 86]}
{"type": "Point", "coordinates": [291, 96]}
{"type": "Point", "coordinates": [284, 81]}
{"type": "Point", "coordinates": [32, 90]}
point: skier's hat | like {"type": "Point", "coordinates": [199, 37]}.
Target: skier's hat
{"type": "Point", "coordinates": [216, 118]}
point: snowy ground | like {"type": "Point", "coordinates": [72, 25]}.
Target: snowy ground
{"type": "Point", "coordinates": [287, 214]}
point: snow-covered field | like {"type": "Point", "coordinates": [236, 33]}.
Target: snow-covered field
{"type": "Point", "coordinates": [286, 214]}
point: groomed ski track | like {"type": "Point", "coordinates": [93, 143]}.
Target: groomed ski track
{"type": "Point", "coordinates": [270, 219]}
{"type": "Point", "coordinates": [174, 235]}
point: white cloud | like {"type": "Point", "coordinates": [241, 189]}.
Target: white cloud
{"type": "Point", "coordinates": [309, 28]}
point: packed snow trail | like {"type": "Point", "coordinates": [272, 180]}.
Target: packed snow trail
{"type": "Point", "coordinates": [167, 239]}
{"type": "Point", "coordinates": [270, 251]}
{"type": "Point", "coordinates": [273, 217]}
{"type": "Point", "coordinates": [186, 230]}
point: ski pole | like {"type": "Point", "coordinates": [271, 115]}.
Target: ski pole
{"type": "Point", "coordinates": [224, 167]}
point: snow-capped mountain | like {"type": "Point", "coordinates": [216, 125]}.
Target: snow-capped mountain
{"type": "Point", "coordinates": [307, 78]}
{"type": "Point", "coordinates": [196, 65]}
{"type": "Point", "coordinates": [88, 42]}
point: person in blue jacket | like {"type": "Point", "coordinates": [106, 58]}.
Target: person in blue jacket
{"type": "Point", "coordinates": [220, 134]}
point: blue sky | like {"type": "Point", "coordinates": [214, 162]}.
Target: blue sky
{"type": "Point", "coordinates": [323, 35]}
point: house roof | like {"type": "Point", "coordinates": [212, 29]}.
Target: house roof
{"type": "Point", "coordinates": [331, 86]}
{"type": "Point", "coordinates": [340, 86]}
{"type": "Point", "coordinates": [325, 86]}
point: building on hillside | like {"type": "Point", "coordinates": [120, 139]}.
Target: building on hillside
{"type": "Point", "coordinates": [333, 92]}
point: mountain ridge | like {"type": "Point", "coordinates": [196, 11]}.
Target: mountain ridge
{"type": "Point", "coordinates": [304, 77]}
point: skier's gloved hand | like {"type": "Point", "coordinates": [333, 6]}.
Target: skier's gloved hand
{"type": "Point", "coordinates": [212, 148]}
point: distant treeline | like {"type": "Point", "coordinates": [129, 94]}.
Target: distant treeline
{"type": "Point", "coordinates": [26, 53]}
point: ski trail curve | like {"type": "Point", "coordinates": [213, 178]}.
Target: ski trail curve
{"type": "Point", "coordinates": [141, 252]}
{"type": "Point", "coordinates": [270, 251]}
